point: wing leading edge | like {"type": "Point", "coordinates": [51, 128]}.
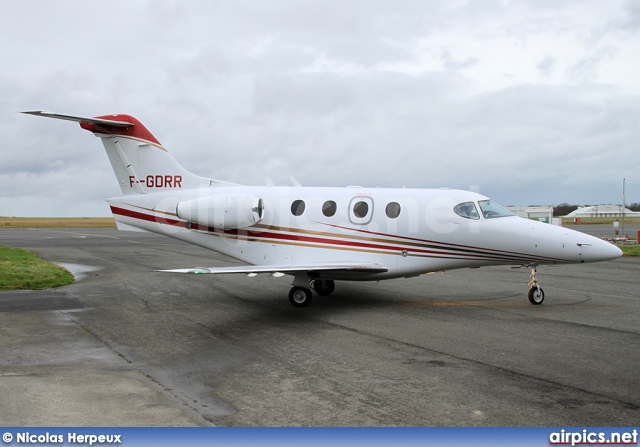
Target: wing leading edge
{"type": "Point", "coordinates": [342, 267]}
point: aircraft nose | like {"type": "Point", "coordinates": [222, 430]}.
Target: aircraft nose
{"type": "Point", "coordinates": [598, 250]}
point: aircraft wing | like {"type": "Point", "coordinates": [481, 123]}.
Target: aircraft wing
{"type": "Point", "coordinates": [289, 268]}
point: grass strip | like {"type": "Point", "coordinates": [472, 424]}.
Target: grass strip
{"type": "Point", "coordinates": [630, 250]}
{"type": "Point", "coordinates": [20, 269]}
{"type": "Point", "coordinates": [57, 222]}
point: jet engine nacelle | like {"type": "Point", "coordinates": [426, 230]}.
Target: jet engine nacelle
{"type": "Point", "coordinates": [224, 212]}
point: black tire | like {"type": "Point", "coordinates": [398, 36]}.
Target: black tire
{"type": "Point", "coordinates": [536, 295]}
{"type": "Point", "coordinates": [300, 297]}
{"type": "Point", "coordinates": [324, 287]}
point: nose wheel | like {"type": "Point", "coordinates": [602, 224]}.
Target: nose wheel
{"type": "Point", "coordinates": [536, 294]}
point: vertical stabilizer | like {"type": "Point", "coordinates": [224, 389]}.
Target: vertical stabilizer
{"type": "Point", "coordinates": [141, 164]}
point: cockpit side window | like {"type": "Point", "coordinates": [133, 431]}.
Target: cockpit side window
{"type": "Point", "coordinates": [467, 210]}
{"type": "Point", "coordinates": [491, 210]}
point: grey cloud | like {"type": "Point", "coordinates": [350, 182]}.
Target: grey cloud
{"type": "Point", "coordinates": [302, 96]}
{"type": "Point", "coordinates": [586, 69]}
{"type": "Point", "coordinates": [453, 64]}
{"type": "Point", "coordinates": [632, 19]}
{"type": "Point", "coordinates": [547, 66]}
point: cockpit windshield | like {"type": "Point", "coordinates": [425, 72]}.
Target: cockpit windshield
{"type": "Point", "coordinates": [467, 210]}
{"type": "Point", "coordinates": [491, 210]}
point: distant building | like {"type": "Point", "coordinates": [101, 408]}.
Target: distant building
{"type": "Point", "coordinates": [602, 211]}
{"type": "Point", "coordinates": [541, 213]}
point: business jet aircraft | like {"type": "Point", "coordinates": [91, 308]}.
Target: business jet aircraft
{"type": "Point", "coordinates": [320, 235]}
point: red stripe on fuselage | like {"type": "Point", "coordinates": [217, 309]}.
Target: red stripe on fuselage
{"type": "Point", "coordinates": [147, 217]}
{"type": "Point", "coordinates": [519, 257]}
{"type": "Point", "coordinates": [488, 251]}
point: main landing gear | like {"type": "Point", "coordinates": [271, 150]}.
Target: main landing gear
{"type": "Point", "coordinates": [300, 296]}
{"type": "Point", "coordinates": [323, 287]}
{"type": "Point", "coordinates": [536, 294]}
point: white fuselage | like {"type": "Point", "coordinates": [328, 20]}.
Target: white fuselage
{"type": "Point", "coordinates": [425, 236]}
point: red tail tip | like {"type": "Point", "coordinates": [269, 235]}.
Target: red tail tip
{"type": "Point", "coordinates": [136, 131]}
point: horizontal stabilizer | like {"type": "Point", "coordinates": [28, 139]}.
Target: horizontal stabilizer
{"type": "Point", "coordinates": [80, 119]}
{"type": "Point", "coordinates": [289, 268]}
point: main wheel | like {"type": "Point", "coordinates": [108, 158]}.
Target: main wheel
{"type": "Point", "coordinates": [536, 295]}
{"type": "Point", "coordinates": [299, 296]}
{"type": "Point", "coordinates": [324, 287]}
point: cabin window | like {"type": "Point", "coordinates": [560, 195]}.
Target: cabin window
{"type": "Point", "coordinates": [467, 210]}
{"type": "Point", "coordinates": [393, 210]}
{"type": "Point", "coordinates": [297, 207]}
{"type": "Point", "coordinates": [329, 208]}
{"type": "Point", "coordinates": [361, 209]}
{"type": "Point", "coordinates": [491, 210]}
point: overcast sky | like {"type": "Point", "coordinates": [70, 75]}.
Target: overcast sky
{"type": "Point", "coordinates": [527, 102]}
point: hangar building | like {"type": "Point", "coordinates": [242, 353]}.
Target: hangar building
{"type": "Point", "coordinates": [541, 213]}
{"type": "Point", "coordinates": [602, 211]}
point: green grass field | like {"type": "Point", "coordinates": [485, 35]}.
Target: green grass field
{"type": "Point", "coordinates": [20, 269]}
{"type": "Point", "coordinates": [630, 250]}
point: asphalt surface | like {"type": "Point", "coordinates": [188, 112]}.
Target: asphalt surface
{"type": "Point", "coordinates": [125, 345]}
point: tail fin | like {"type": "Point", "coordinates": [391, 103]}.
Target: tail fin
{"type": "Point", "coordinates": [141, 164]}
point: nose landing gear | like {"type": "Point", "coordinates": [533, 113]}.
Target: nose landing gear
{"type": "Point", "coordinates": [536, 294]}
